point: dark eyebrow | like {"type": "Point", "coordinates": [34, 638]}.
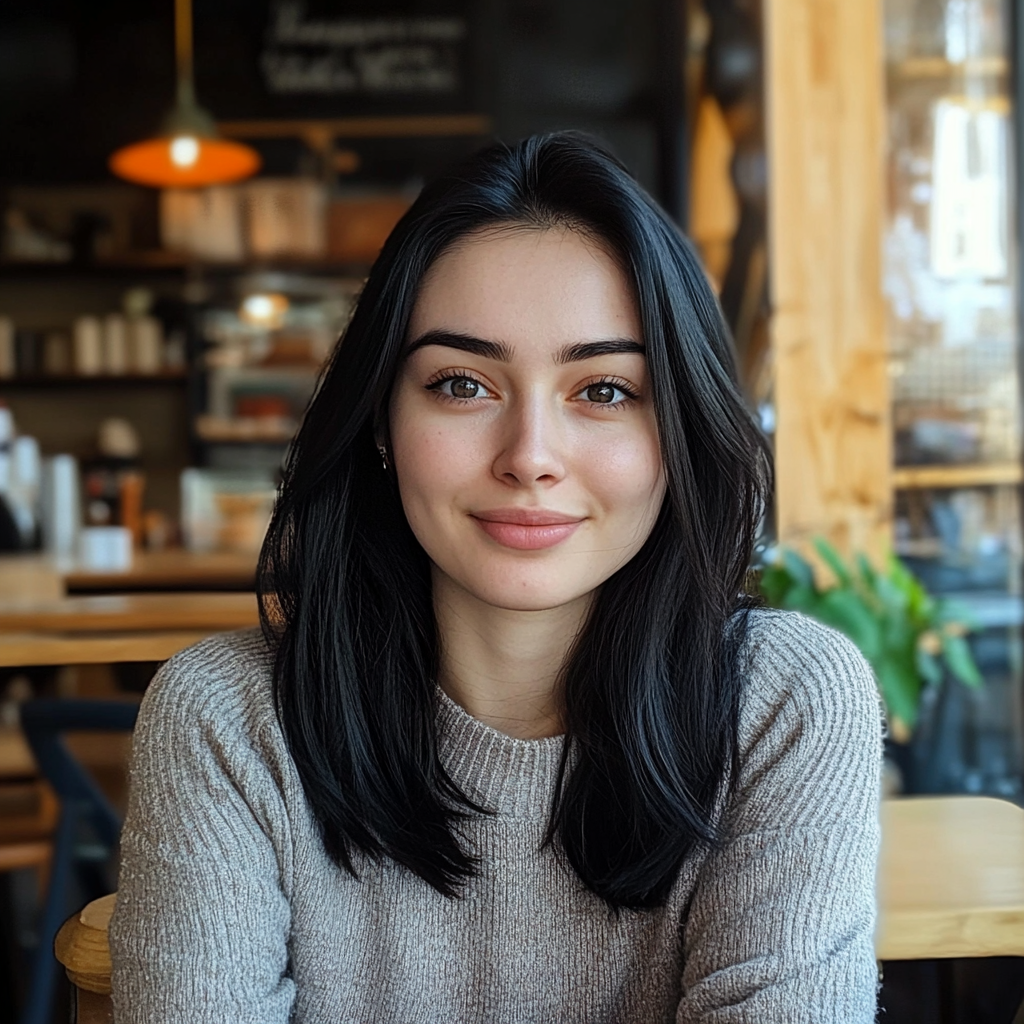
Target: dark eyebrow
{"type": "Point", "coordinates": [590, 349]}
{"type": "Point", "coordinates": [501, 352]}
{"type": "Point", "coordinates": [465, 343]}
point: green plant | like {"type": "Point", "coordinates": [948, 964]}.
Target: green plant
{"type": "Point", "coordinates": [905, 633]}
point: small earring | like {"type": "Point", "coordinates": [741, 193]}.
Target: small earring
{"type": "Point", "coordinates": [383, 456]}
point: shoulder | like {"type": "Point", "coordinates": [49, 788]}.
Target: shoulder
{"type": "Point", "coordinates": [810, 716]}
{"type": "Point", "coordinates": [790, 660]}
{"type": "Point", "coordinates": [211, 782]}
{"type": "Point", "coordinates": [219, 688]}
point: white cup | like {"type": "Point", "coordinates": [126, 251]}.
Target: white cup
{"type": "Point", "coordinates": [87, 346]}
{"type": "Point", "coordinates": [61, 504]}
{"type": "Point", "coordinates": [115, 344]}
{"type": "Point", "coordinates": [147, 344]}
{"type": "Point", "coordinates": [105, 547]}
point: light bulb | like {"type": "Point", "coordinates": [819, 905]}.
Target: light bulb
{"type": "Point", "coordinates": [259, 307]}
{"type": "Point", "coordinates": [265, 310]}
{"type": "Point", "coordinates": [184, 151]}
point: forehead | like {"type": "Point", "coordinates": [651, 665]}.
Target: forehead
{"type": "Point", "coordinates": [522, 285]}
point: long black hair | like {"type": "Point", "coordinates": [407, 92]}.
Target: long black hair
{"type": "Point", "coordinates": [650, 691]}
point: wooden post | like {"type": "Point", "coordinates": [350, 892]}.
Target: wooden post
{"type": "Point", "coordinates": [826, 131]}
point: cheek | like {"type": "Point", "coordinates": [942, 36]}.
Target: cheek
{"type": "Point", "coordinates": [433, 461]}
{"type": "Point", "coordinates": [624, 471]}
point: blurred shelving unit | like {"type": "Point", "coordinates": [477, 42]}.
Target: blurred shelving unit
{"type": "Point", "coordinates": [260, 339]}
{"type": "Point", "coordinates": [235, 403]}
{"type": "Point", "coordinates": [951, 281]}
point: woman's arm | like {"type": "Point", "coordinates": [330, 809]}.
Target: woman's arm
{"type": "Point", "coordinates": [781, 926]}
{"type": "Point", "coordinates": [201, 925]}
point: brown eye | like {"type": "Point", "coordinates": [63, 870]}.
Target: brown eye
{"type": "Point", "coordinates": [601, 393]}
{"type": "Point", "coordinates": [464, 387]}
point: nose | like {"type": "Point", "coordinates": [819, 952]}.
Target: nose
{"type": "Point", "coordinates": [532, 442]}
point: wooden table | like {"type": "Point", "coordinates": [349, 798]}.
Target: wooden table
{"type": "Point", "coordinates": [150, 570]}
{"type": "Point", "coordinates": [951, 879]}
{"type": "Point", "coordinates": [116, 628]}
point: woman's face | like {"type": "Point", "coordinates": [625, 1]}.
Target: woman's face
{"type": "Point", "coordinates": [522, 428]}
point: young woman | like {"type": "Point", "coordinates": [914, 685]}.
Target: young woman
{"type": "Point", "coordinates": [512, 746]}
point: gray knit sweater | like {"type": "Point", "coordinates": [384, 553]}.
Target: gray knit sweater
{"type": "Point", "coordinates": [230, 911]}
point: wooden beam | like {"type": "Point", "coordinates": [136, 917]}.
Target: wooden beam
{"type": "Point", "coordinates": [936, 477]}
{"type": "Point", "coordinates": [826, 130]}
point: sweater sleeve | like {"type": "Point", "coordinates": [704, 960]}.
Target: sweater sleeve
{"type": "Point", "coordinates": [200, 930]}
{"type": "Point", "coordinates": [781, 925]}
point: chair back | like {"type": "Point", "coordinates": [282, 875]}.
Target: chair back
{"type": "Point", "coordinates": [45, 723]}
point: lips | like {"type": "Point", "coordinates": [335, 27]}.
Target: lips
{"type": "Point", "coordinates": [527, 529]}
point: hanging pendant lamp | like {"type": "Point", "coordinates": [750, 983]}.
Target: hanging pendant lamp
{"type": "Point", "coordinates": [187, 152]}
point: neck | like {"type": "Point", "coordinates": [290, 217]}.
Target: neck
{"type": "Point", "coordinates": [502, 666]}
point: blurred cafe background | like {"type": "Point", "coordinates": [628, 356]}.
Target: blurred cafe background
{"type": "Point", "coordinates": [191, 194]}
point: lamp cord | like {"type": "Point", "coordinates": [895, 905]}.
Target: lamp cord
{"type": "Point", "coordinates": [183, 51]}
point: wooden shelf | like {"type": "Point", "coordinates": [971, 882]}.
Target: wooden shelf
{"type": "Point", "coordinates": [244, 430]}
{"type": "Point", "coordinates": [939, 67]}
{"type": "Point", "coordinates": [318, 133]}
{"type": "Point", "coordinates": [81, 380]}
{"type": "Point", "coordinates": [919, 477]}
{"type": "Point", "coordinates": [160, 262]}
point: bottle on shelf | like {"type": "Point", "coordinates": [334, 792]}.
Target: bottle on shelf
{"type": "Point", "coordinates": [20, 474]}
{"type": "Point", "coordinates": [7, 363]}
{"type": "Point", "coordinates": [10, 536]}
{"type": "Point", "coordinates": [87, 347]}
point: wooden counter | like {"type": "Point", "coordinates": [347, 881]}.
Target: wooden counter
{"type": "Point", "coordinates": [150, 570]}
{"type": "Point", "coordinates": [116, 628]}
{"type": "Point", "coordinates": [110, 613]}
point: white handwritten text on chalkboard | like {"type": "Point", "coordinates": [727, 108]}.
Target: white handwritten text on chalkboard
{"type": "Point", "coordinates": [361, 55]}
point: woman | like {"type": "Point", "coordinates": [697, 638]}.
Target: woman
{"type": "Point", "coordinates": [512, 746]}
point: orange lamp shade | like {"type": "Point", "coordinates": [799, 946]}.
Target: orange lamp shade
{"type": "Point", "coordinates": [185, 161]}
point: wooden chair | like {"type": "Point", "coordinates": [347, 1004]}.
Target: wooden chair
{"type": "Point", "coordinates": [85, 812]}
{"type": "Point", "coordinates": [28, 817]}
{"type": "Point", "coordinates": [81, 948]}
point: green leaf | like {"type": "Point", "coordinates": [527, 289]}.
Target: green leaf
{"type": "Point", "coordinates": [899, 638]}
{"type": "Point", "coordinates": [845, 611]}
{"type": "Point", "coordinates": [960, 661]}
{"type": "Point", "coordinates": [802, 599]}
{"type": "Point", "coordinates": [902, 577]}
{"type": "Point", "coordinates": [833, 560]}
{"type": "Point", "coordinates": [776, 583]}
{"type": "Point", "coordinates": [894, 599]}
{"type": "Point", "coordinates": [900, 686]}
{"type": "Point", "coordinates": [928, 666]}
{"type": "Point", "coordinates": [866, 570]}
{"type": "Point", "coordinates": [799, 568]}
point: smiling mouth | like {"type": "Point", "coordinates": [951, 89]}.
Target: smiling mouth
{"type": "Point", "coordinates": [527, 529]}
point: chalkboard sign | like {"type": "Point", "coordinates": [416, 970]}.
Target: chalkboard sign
{"type": "Point", "coordinates": [368, 56]}
{"type": "Point", "coordinates": [322, 58]}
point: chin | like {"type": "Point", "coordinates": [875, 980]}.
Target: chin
{"type": "Point", "coordinates": [528, 592]}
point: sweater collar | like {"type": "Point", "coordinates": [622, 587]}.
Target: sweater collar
{"type": "Point", "coordinates": [513, 777]}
